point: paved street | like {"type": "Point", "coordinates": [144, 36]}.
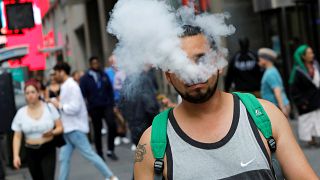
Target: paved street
{"type": "Point", "coordinates": [83, 170]}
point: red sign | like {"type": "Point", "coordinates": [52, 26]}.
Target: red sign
{"type": "Point", "coordinates": [35, 60]}
{"type": "Point", "coordinates": [44, 6]}
{"type": "Point", "coordinates": [48, 40]}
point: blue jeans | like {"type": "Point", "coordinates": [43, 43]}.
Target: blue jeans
{"type": "Point", "coordinates": [79, 140]}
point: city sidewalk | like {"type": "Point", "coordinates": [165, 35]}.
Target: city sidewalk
{"type": "Point", "coordinates": [81, 169]}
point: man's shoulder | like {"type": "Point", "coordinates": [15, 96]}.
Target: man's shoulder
{"type": "Point", "coordinates": [109, 71]}
{"type": "Point", "coordinates": [86, 75]}
{"type": "Point", "coordinates": [146, 136]}
{"type": "Point", "coordinates": [22, 110]}
{"type": "Point", "coordinates": [70, 83]}
{"type": "Point", "coordinates": [275, 115]}
{"type": "Point", "coordinates": [272, 72]}
{"type": "Point", "coordinates": [268, 106]}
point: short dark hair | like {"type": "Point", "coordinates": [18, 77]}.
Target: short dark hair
{"type": "Point", "coordinates": [93, 58]}
{"type": "Point", "coordinates": [189, 30]}
{"type": "Point", "coordinates": [63, 67]}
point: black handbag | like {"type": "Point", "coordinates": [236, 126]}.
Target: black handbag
{"type": "Point", "coordinates": [58, 140]}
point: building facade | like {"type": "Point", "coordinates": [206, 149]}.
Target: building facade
{"type": "Point", "coordinates": [79, 27]}
{"type": "Point", "coordinates": [79, 31]}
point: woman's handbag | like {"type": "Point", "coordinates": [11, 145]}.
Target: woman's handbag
{"type": "Point", "coordinates": [121, 123]}
{"type": "Point", "coordinates": [59, 141]}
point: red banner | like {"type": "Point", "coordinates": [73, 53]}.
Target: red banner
{"type": "Point", "coordinates": [31, 37]}
{"type": "Point", "coordinates": [44, 6]}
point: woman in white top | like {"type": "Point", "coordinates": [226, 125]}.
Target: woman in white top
{"type": "Point", "coordinates": [39, 123]}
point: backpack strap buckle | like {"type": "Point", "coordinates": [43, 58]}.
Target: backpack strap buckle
{"type": "Point", "coordinates": [272, 144]}
{"type": "Point", "coordinates": [158, 166]}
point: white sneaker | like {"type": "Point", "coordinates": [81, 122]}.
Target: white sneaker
{"type": "Point", "coordinates": [103, 131]}
{"type": "Point", "coordinates": [133, 147]}
{"type": "Point", "coordinates": [117, 141]}
{"type": "Point", "coordinates": [125, 140]}
{"type": "Point", "coordinates": [113, 178]}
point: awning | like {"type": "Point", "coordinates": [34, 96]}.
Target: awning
{"type": "Point", "coordinates": [51, 49]}
{"type": "Point", "coordinates": [13, 52]}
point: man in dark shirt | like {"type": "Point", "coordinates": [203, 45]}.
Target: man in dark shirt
{"type": "Point", "coordinates": [141, 106]}
{"type": "Point", "coordinates": [244, 70]}
{"type": "Point", "coordinates": [97, 89]}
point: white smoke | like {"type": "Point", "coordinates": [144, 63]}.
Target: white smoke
{"type": "Point", "coordinates": [148, 33]}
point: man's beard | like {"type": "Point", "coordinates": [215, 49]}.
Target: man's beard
{"type": "Point", "coordinates": [59, 80]}
{"type": "Point", "coordinates": [200, 97]}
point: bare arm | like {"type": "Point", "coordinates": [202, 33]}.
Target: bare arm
{"type": "Point", "coordinates": [58, 128]}
{"type": "Point", "coordinates": [46, 94]}
{"type": "Point", "coordinates": [291, 158]}
{"type": "Point", "coordinates": [56, 131]}
{"type": "Point", "coordinates": [143, 161]}
{"type": "Point", "coordinates": [16, 149]}
{"type": "Point", "coordinates": [143, 164]}
{"type": "Point", "coordinates": [277, 93]}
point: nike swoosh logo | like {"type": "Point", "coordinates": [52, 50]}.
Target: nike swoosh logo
{"type": "Point", "coordinates": [246, 164]}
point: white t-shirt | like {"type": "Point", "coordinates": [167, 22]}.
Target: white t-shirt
{"type": "Point", "coordinates": [34, 129]}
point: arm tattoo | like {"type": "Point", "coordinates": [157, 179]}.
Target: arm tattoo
{"type": "Point", "coordinates": [140, 152]}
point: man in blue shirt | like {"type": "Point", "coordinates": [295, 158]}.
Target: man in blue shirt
{"type": "Point", "coordinates": [271, 84]}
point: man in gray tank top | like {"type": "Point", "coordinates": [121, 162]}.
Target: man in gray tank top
{"type": "Point", "coordinates": [211, 136]}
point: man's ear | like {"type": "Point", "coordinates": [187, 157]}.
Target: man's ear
{"type": "Point", "coordinates": [168, 77]}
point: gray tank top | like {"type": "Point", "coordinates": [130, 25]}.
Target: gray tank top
{"type": "Point", "coordinates": [241, 154]}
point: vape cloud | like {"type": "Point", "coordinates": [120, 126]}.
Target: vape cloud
{"type": "Point", "coordinates": [148, 32]}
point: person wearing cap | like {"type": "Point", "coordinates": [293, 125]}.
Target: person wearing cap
{"type": "Point", "coordinates": [244, 73]}
{"type": "Point", "coordinates": [272, 88]}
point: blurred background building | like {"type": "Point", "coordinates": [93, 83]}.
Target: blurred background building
{"type": "Point", "coordinates": [78, 29]}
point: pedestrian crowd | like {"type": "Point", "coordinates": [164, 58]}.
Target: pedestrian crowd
{"type": "Point", "coordinates": [303, 85]}
{"type": "Point", "coordinates": [57, 116]}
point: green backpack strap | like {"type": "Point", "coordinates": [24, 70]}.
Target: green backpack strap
{"type": "Point", "coordinates": [259, 116]}
{"type": "Point", "coordinates": [159, 141]}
